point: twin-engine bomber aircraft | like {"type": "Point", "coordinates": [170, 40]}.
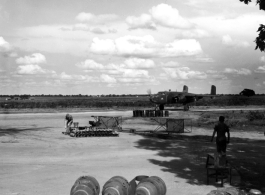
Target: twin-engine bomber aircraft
{"type": "Point", "coordinates": [170, 97]}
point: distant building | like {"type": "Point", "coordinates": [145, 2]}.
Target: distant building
{"type": "Point", "coordinates": [9, 98]}
{"type": "Point", "coordinates": [247, 92]}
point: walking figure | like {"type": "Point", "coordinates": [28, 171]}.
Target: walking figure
{"type": "Point", "coordinates": [221, 141]}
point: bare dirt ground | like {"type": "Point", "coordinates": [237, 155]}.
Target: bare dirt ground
{"type": "Point", "coordinates": [36, 158]}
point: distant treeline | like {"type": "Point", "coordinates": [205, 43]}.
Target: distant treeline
{"type": "Point", "coordinates": [108, 95]}
{"type": "Point", "coordinates": [74, 102]}
{"type": "Point", "coordinates": [130, 102]}
{"type": "Point", "coordinates": [79, 95]}
{"type": "Point", "coordinates": [235, 100]}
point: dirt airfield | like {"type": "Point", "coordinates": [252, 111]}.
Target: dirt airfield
{"type": "Point", "coordinates": [36, 158]}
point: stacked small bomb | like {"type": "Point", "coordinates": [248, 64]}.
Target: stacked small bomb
{"type": "Point", "coordinates": [118, 185]}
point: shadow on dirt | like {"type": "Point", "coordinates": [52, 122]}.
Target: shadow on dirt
{"type": "Point", "coordinates": [189, 152]}
{"type": "Point", "coordinates": [15, 131]}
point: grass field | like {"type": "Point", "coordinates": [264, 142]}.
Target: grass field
{"type": "Point", "coordinates": [121, 101]}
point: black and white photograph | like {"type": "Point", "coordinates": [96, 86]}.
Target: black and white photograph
{"type": "Point", "coordinates": [132, 97]}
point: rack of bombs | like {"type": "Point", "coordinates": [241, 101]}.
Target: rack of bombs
{"type": "Point", "coordinates": [118, 185]}
{"type": "Point", "coordinates": [235, 191]}
{"type": "Point", "coordinates": [85, 131]}
{"type": "Point", "coordinates": [150, 113]}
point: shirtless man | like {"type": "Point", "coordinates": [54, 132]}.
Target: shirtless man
{"type": "Point", "coordinates": [68, 122]}
{"type": "Point", "coordinates": [221, 129]}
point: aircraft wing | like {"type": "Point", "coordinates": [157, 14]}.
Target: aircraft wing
{"type": "Point", "coordinates": [200, 95]}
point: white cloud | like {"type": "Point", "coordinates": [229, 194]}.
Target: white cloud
{"type": "Point", "coordinates": [65, 76]}
{"type": "Point", "coordinates": [138, 81]}
{"type": "Point", "coordinates": [35, 58]}
{"type": "Point", "coordinates": [32, 70]}
{"type": "Point", "coordinates": [90, 65]}
{"type": "Point", "coordinates": [203, 59]}
{"type": "Point", "coordinates": [242, 71]}
{"type": "Point", "coordinates": [137, 63]}
{"type": "Point", "coordinates": [219, 25]}
{"type": "Point", "coordinates": [132, 80]}
{"type": "Point", "coordinates": [52, 39]}
{"type": "Point", "coordinates": [145, 46]}
{"type": "Point", "coordinates": [4, 45]}
{"type": "Point", "coordinates": [227, 40]}
{"type": "Point", "coordinates": [216, 75]}
{"type": "Point", "coordinates": [184, 47]}
{"type": "Point", "coordinates": [262, 58]}
{"type": "Point", "coordinates": [12, 54]}
{"type": "Point", "coordinates": [211, 71]}
{"type": "Point", "coordinates": [98, 30]}
{"type": "Point", "coordinates": [193, 33]}
{"type": "Point", "coordinates": [99, 46]}
{"type": "Point", "coordinates": [170, 64]}
{"type": "Point", "coordinates": [83, 17]}
{"type": "Point", "coordinates": [77, 79]}
{"type": "Point", "coordinates": [167, 16]}
{"type": "Point", "coordinates": [81, 26]}
{"type": "Point", "coordinates": [96, 19]}
{"type": "Point", "coordinates": [130, 73]}
{"type": "Point", "coordinates": [143, 21]}
{"type": "Point", "coordinates": [6, 48]}
{"type": "Point", "coordinates": [163, 15]}
{"type": "Point", "coordinates": [184, 73]}
{"type": "Point", "coordinates": [260, 69]}
{"type": "Point", "coordinates": [114, 69]}
{"type": "Point", "coordinates": [107, 79]}
{"type": "Point", "coordinates": [88, 28]}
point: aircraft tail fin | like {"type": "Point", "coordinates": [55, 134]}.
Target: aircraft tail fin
{"type": "Point", "coordinates": [185, 89]}
{"type": "Point", "coordinates": [213, 90]}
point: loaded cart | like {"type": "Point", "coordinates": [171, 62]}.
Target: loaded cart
{"type": "Point", "coordinates": [101, 126]}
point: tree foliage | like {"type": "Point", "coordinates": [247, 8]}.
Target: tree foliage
{"type": "Point", "coordinates": [260, 39]}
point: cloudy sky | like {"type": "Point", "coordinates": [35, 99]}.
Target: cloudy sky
{"type": "Point", "coordinates": [126, 47]}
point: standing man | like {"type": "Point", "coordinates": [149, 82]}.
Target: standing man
{"type": "Point", "coordinates": [221, 142]}
{"type": "Point", "coordinates": [68, 122]}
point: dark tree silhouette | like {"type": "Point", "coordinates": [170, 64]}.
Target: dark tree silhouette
{"type": "Point", "coordinates": [260, 39]}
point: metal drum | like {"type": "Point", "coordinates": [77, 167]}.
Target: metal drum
{"type": "Point", "coordinates": [254, 192]}
{"type": "Point", "coordinates": [159, 113]}
{"type": "Point", "coordinates": [151, 186]}
{"type": "Point", "coordinates": [166, 113]}
{"type": "Point", "coordinates": [76, 124]}
{"type": "Point", "coordinates": [151, 113]}
{"type": "Point", "coordinates": [116, 185]}
{"type": "Point", "coordinates": [143, 111]}
{"type": "Point", "coordinates": [147, 113]}
{"type": "Point", "coordinates": [85, 185]}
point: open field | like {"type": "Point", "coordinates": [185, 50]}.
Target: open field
{"type": "Point", "coordinates": [124, 102]}
{"type": "Point", "coordinates": [36, 158]}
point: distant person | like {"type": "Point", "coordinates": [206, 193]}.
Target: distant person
{"type": "Point", "coordinates": [221, 141]}
{"type": "Point", "coordinates": [94, 123]}
{"type": "Point", "coordinates": [68, 122]}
